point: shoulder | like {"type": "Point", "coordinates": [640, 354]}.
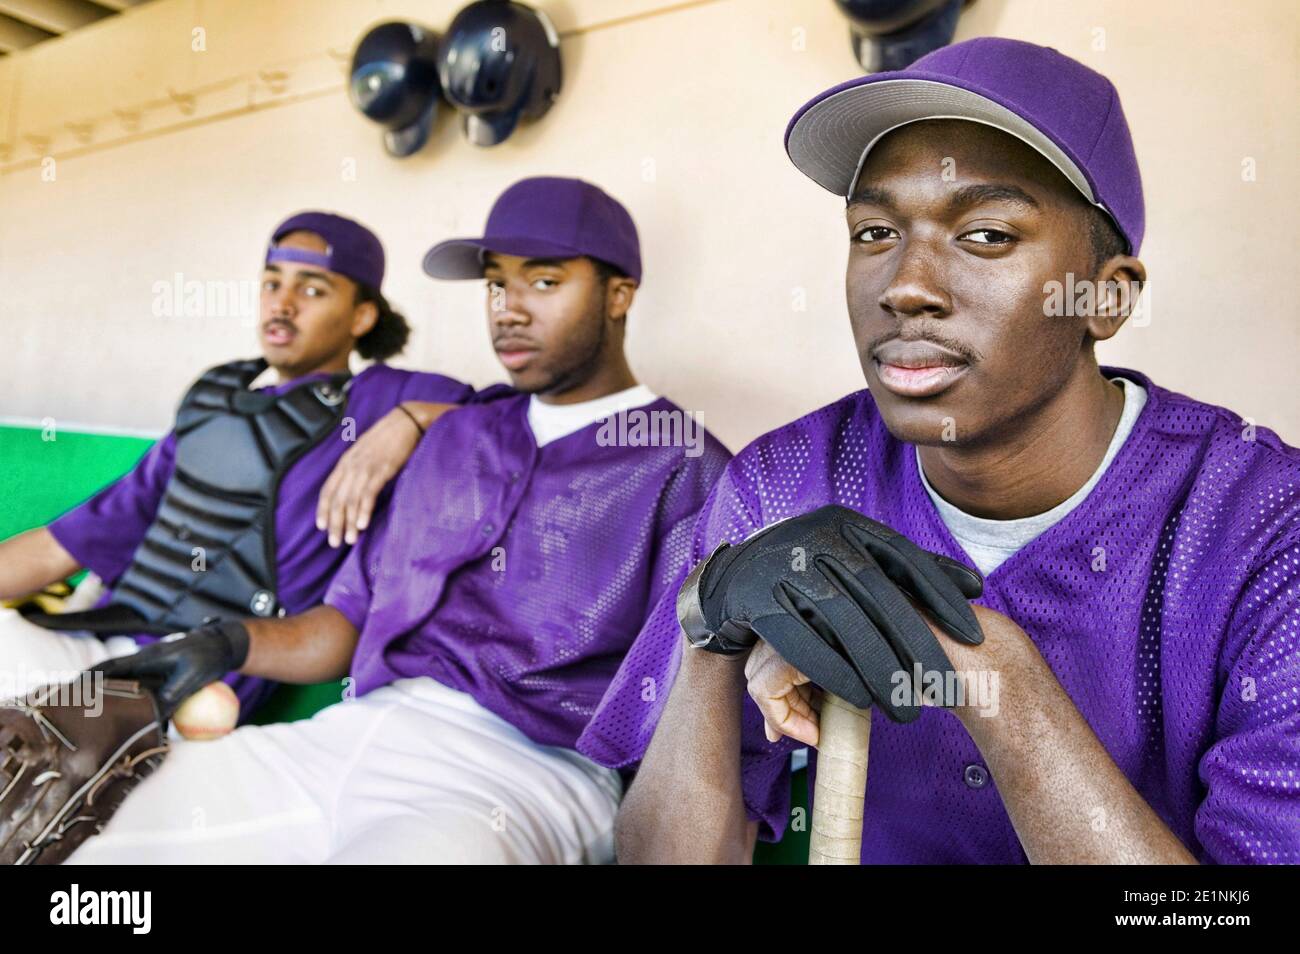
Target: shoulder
{"type": "Point", "coordinates": [1230, 435]}
{"type": "Point", "coordinates": [487, 411]}
{"type": "Point", "coordinates": [854, 412]}
{"type": "Point", "coordinates": [384, 383]}
{"type": "Point", "coordinates": [496, 392]}
{"type": "Point", "coordinates": [807, 447]}
{"type": "Point", "coordinates": [1239, 482]}
{"type": "Point", "coordinates": [792, 468]}
{"type": "Point", "coordinates": [381, 376]}
{"type": "Point", "coordinates": [1237, 459]}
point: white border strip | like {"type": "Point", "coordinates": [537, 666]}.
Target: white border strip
{"type": "Point", "coordinates": [36, 423]}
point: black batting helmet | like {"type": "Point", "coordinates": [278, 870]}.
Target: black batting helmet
{"type": "Point", "coordinates": [395, 83]}
{"type": "Point", "coordinates": [499, 63]}
{"type": "Point", "coordinates": [893, 34]}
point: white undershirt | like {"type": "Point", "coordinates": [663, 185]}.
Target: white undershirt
{"type": "Point", "coordinates": [550, 422]}
{"type": "Point", "coordinates": [990, 543]}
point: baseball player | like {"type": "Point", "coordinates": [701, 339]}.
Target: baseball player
{"type": "Point", "coordinates": [1140, 549]}
{"type": "Point", "coordinates": [481, 616]}
{"type": "Point", "coordinates": [219, 519]}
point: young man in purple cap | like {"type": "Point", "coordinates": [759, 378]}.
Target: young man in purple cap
{"type": "Point", "coordinates": [484, 612]}
{"type": "Point", "coordinates": [1141, 550]}
{"type": "Point", "coordinates": [220, 518]}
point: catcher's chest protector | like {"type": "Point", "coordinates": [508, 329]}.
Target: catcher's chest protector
{"type": "Point", "coordinates": [210, 553]}
{"type": "Point", "coordinates": [67, 761]}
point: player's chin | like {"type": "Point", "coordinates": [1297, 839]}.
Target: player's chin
{"type": "Point", "coordinates": [282, 357]}
{"type": "Point", "coordinates": [941, 418]}
{"type": "Point", "coordinates": [924, 421]}
{"type": "Point", "coordinates": [532, 380]}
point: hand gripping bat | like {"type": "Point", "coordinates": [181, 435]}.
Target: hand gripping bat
{"type": "Point", "coordinates": [836, 594]}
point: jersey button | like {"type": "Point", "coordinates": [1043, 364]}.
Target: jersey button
{"type": "Point", "coordinates": [976, 776]}
{"type": "Point", "coordinates": [488, 529]}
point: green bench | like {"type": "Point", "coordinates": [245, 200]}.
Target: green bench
{"type": "Point", "coordinates": [46, 477]}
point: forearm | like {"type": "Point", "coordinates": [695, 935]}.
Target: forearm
{"type": "Point", "coordinates": [32, 561]}
{"type": "Point", "coordinates": [311, 647]}
{"type": "Point", "coordinates": [1066, 797]}
{"type": "Point", "coordinates": [426, 412]}
{"type": "Point", "coordinates": [686, 805]}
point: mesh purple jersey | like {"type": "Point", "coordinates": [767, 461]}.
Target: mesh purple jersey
{"type": "Point", "coordinates": [519, 574]}
{"type": "Point", "coordinates": [1183, 653]}
{"type": "Point", "coordinates": [103, 532]}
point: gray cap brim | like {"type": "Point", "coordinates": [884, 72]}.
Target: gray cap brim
{"type": "Point", "coordinates": [463, 258]}
{"type": "Point", "coordinates": [831, 140]}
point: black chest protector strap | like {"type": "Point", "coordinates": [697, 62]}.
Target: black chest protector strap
{"type": "Point", "coordinates": [211, 551]}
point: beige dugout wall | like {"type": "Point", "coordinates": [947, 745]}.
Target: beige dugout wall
{"type": "Point", "coordinates": [128, 158]}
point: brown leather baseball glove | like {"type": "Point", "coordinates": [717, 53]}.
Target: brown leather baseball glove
{"type": "Point", "coordinates": [69, 755]}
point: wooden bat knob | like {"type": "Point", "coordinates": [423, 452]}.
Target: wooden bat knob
{"type": "Point", "coordinates": [836, 837]}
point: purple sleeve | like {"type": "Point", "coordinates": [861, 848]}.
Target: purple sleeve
{"type": "Point", "coordinates": [625, 720]}
{"type": "Point", "coordinates": [350, 590]}
{"type": "Point", "coordinates": [435, 388]}
{"type": "Point", "coordinates": [1251, 811]}
{"type": "Point", "coordinates": [103, 533]}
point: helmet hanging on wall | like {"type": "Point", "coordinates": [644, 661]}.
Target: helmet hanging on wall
{"type": "Point", "coordinates": [893, 34]}
{"type": "Point", "coordinates": [395, 83]}
{"type": "Point", "coordinates": [499, 63]}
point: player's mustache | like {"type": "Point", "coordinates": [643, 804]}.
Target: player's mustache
{"type": "Point", "coordinates": [940, 340]}
{"type": "Point", "coordinates": [514, 343]}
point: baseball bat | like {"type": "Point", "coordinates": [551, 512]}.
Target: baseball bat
{"type": "Point", "coordinates": [845, 737]}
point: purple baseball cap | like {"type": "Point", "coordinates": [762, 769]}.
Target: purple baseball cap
{"type": "Point", "coordinates": [351, 250]}
{"type": "Point", "coordinates": [545, 217]}
{"type": "Point", "coordinates": [1066, 111]}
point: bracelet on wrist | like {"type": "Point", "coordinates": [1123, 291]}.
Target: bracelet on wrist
{"type": "Point", "coordinates": [403, 408]}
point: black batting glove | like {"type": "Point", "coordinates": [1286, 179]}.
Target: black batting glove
{"type": "Point", "coordinates": [833, 592]}
{"type": "Point", "coordinates": [179, 665]}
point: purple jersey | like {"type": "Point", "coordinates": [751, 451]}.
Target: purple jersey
{"type": "Point", "coordinates": [103, 532]}
{"type": "Point", "coordinates": [517, 574]}
{"type": "Point", "coordinates": [1182, 653]}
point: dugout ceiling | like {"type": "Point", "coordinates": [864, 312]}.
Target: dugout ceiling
{"type": "Point", "coordinates": [25, 23]}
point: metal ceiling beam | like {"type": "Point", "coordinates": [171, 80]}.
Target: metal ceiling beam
{"type": "Point", "coordinates": [117, 6]}
{"type": "Point", "coordinates": [53, 16]}
{"type": "Point", "coordinates": [15, 35]}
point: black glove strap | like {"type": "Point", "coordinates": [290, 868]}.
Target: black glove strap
{"type": "Point", "coordinates": [236, 635]}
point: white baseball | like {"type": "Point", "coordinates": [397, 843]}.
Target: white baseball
{"type": "Point", "coordinates": [208, 714]}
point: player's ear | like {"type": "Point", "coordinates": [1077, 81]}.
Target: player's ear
{"type": "Point", "coordinates": [619, 293]}
{"type": "Point", "coordinates": [1120, 283]}
{"type": "Point", "coordinates": [364, 316]}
